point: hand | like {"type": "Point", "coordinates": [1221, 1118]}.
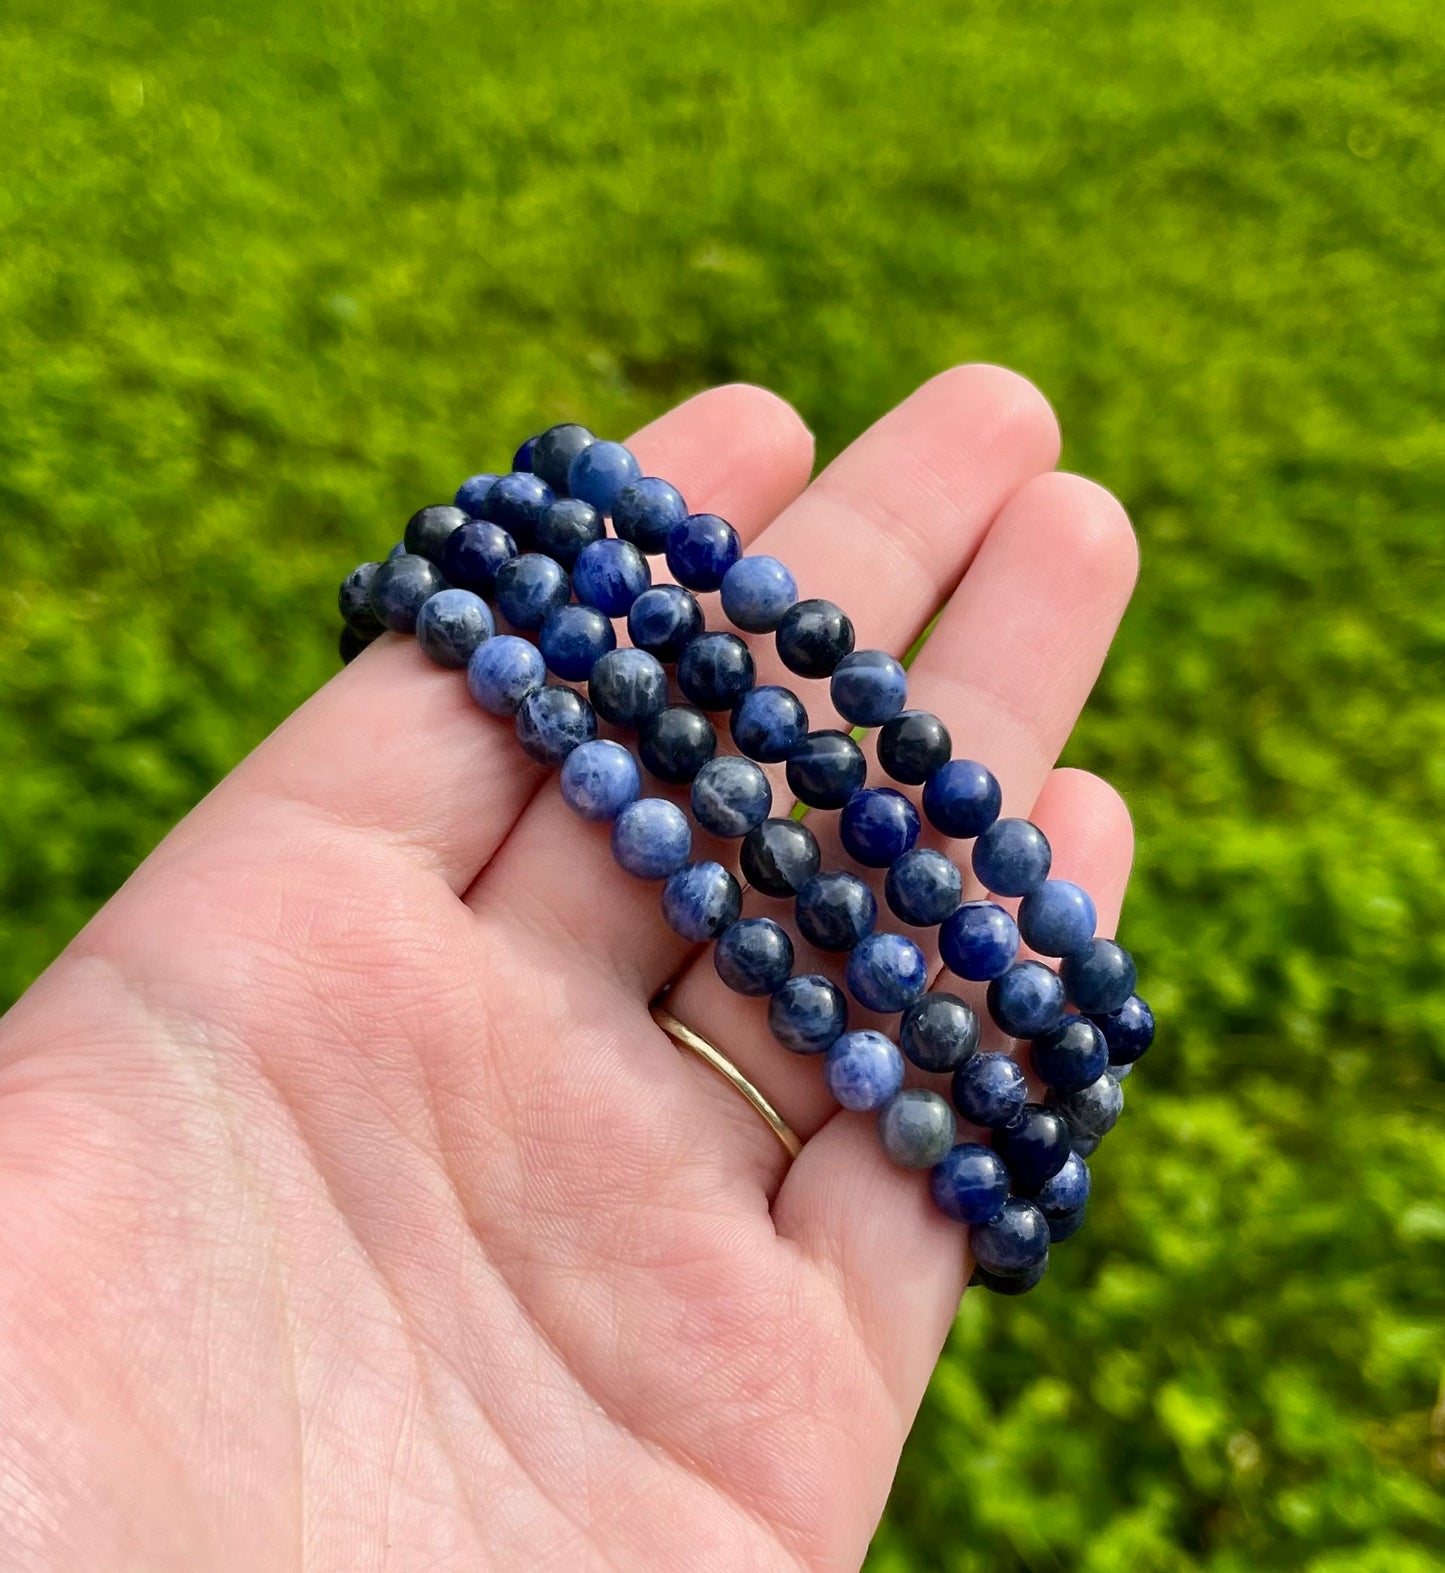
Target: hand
{"type": "Point", "coordinates": [354, 1213]}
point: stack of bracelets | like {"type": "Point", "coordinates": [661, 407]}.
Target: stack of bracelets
{"type": "Point", "coordinates": [534, 544]}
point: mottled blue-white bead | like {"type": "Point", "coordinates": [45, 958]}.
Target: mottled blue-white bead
{"type": "Point", "coordinates": [1066, 1191]}
{"type": "Point", "coordinates": [599, 779]}
{"type": "Point", "coordinates": [834, 910]}
{"type": "Point", "coordinates": [474, 553]}
{"type": "Point", "coordinates": [756, 592]}
{"type": "Point", "coordinates": [529, 587]}
{"type": "Point", "coordinates": [645, 510]}
{"type": "Point", "coordinates": [472, 493]}
{"type": "Point", "coordinates": [962, 798]}
{"type": "Point", "coordinates": [969, 1183]}
{"type": "Point", "coordinates": [1128, 1031]}
{"type": "Point", "coordinates": [768, 723]}
{"type": "Point", "coordinates": [627, 686]}
{"type": "Point", "coordinates": [1033, 1146]}
{"type": "Point", "coordinates": [730, 796]}
{"type": "Point", "coordinates": [807, 1013]}
{"type": "Point", "coordinates": [1120, 1072]}
{"type": "Point", "coordinates": [1057, 918]}
{"type": "Point", "coordinates": [610, 574]}
{"type": "Point", "coordinates": [516, 502]}
{"type": "Point", "coordinates": [450, 626]}
{"type": "Point", "coordinates": [939, 1032]}
{"type": "Point", "coordinates": [780, 856]}
{"type": "Point", "coordinates": [989, 1090]}
{"type": "Point", "coordinates": [651, 838]}
{"type": "Point", "coordinates": [565, 527]}
{"type": "Point", "coordinates": [1013, 1241]}
{"type": "Point", "coordinates": [826, 769]}
{"type": "Point", "coordinates": [1012, 857]}
{"type": "Point", "coordinates": [1099, 977]}
{"type": "Point", "coordinates": [1071, 1056]}
{"type": "Point", "coordinates": [715, 671]}
{"type": "Point", "coordinates": [554, 450]}
{"type": "Point", "coordinates": [1027, 1000]}
{"type": "Point", "coordinates": [753, 956]}
{"type": "Point", "coordinates": [916, 1128]}
{"type": "Point", "coordinates": [600, 471]}
{"type": "Point", "coordinates": [913, 745]}
{"type": "Point", "coordinates": [869, 687]}
{"type": "Point", "coordinates": [1092, 1112]}
{"type": "Point", "coordinates": [813, 637]}
{"type": "Point", "coordinates": [354, 601]}
{"type": "Point", "coordinates": [429, 529]}
{"type": "Point", "coordinates": [503, 671]}
{"type": "Point", "coordinates": [863, 1069]}
{"type": "Point", "coordinates": [923, 887]}
{"type": "Point", "coordinates": [574, 639]}
{"type": "Point", "coordinates": [877, 826]}
{"type": "Point", "coordinates": [551, 722]}
{"type": "Point", "coordinates": [978, 941]}
{"type": "Point", "coordinates": [1018, 1283]}
{"type": "Point", "coordinates": [700, 550]}
{"type": "Point", "coordinates": [400, 587]}
{"type": "Point", "coordinates": [886, 972]}
{"type": "Point", "coordinates": [522, 458]}
{"type": "Point", "coordinates": [701, 900]}
{"type": "Point", "coordinates": [664, 621]}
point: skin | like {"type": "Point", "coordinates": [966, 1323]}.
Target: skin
{"type": "Point", "coordinates": [353, 1212]}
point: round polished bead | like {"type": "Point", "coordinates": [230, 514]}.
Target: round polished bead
{"type": "Point", "coordinates": [644, 512]}
{"type": "Point", "coordinates": [1012, 857]}
{"type": "Point", "coordinates": [675, 743]}
{"type": "Point", "coordinates": [516, 503]}
{"type": "Point", "coordinates": [472, 493]}
{"type": "Point", "coordinates": [753, 956]}
{"type": "Point", "coordinates": [962, 798]}
{"type": "Point", "coordinates": [450, 626]}
{"type": "Point", "coordinates": [574, 639]}
{"type": "Point", "coordinates": [351, 643]}
{"type": "Point", "coordinates": [600, 471]}
{"type": "Point", "coordinates": [700, 550]}
{"type": "Point", "coordinates": [813, 637]}
{"type": "Point", "coordinates": [551, 722]}
{"type": "Point", "coordinates": [664, 620]}
{"type": "Point", "coordinates": [1071, 1056]}
{"type": "Point", "coordinates": [1013, 1241]}
{"type": "Point", "coordinates": [923, 887]}
{"type": "Point", "coordinates": [969, 1183]}
{"type": "Point", "coordinates": [474, 553]}
{"type": "Point", "coordinates": [529, 587]}
{"type": "Point", "coordinates": [354, 601]}
{"type": "Point", "coordinates": [651, 838]}
{"type": "Point", "coordinates": [610, 574]}
{"type": "Point", "coordinates": [399, 550]}
{"type": "Point", "coordinates": [886, 973]}
{"type": "Point", "coordinates": [555, 449]}
{"type": "Point", "coordinates": [779, 856]}
{"type": "Point", "coordinates": [1099, 977]}
{"type": "Point", "coordinates": [1063, 1226]}
{"type": "Point", "coordinates": [1020, 1283]}
{"type": "Point", "coordinates": [1034, 1146]}
{"type": "Point", "coordinates": [599, 779]}
{"type": "Point", "coordinates": [807, 1013]}
{"type": "Point", "coordinates": [756, 592]}
{"type": "Point", "coordinates": [939, 1032]}
{"type": "Point", "coordinates": [1092, 1112]}
{"type": "Point", "coordinates": [701, 900]}
{"type": "Point", "coordinates": [503, 671]}
{"type": "Point", "coordinates": [1128, 1031]}
{"type": "Point", "coordinates": [1067, 1191]}
{"type": "Point", "coordinates": [869, 687]}
{"type": "Point", "coordinates": [565, 526]}
{"type": "Point", "coordinates": [1086, 1146]}
{"type": "Point", "coordinates": [730, 796]}
{"type": "Point", "coordinates": [522, 458]}
{"type": "Point", "coordinates": [916, 1128]}
{"type": "Point", "coordinates": [1120, 1072]}
{"type": "Point", "coordinates": [400, 587]}
{"type": "Point", "coordinates": [978, 941]}
{"type": "Point", "coordinates": [627, 686]}
{"type": "Point", "coordinates": [429, 529]}
{"type": "Point", "coordinates": [1058, 918]}
{"type": "Point", "coordinates": [989, 1090]}
{"type": "Point", "coordinates": [768, 723]}
{"type": "Point", "coordinates": [877, 826]}
{"type": "Point", "coordinates": [835, 910]}
{"type": "Point", "coordinates": [826, 769]}
{"type": "Point", "coordinates": [863, 1070]}
{"type": "Point", "coordinates": [715, 671]}
{"type": "Point", "coordinates": [1027, 1000]}
{"type": "Point", "coordinates": [913, 745]}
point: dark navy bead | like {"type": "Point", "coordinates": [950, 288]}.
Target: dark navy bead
{"type": "Point", "coordinates": [1058, 918]}
{"type": "Point", "coordinates": [429, 529]}
{"type": "Point", "coordinates": [813, 637]}
{"type": "Point", "coordinates": [474, 553]}
{"type": "Point", "coordinates": [651, 838]}
{"type": "Point", "coordinates": [354, 600]}
{"type": "Point", "coordinates": [450, 626]}
{"type": "Point", "coordinates": [1067, 1191]}
{"type": "Point", "coordinates": [351, 643]}
{"type": "Point", "coordinates": [675, 743]}
{"type": "Point", "coordinates": [645, 511]}
{"type": "Point", "coordinates": [990, 1090]}
{"type": "Point", "coordinates": [574, 639]}
{"type": "Point", "coordinates": [962, 798]}
{"type": "Point", "coordinates": [554, 451]}
{"type": "Point", "coordinates": [756, 592]}
{"type": "Point", "coordinates": [715, 671]}
{"type": "Point", "coordinates": [472, 493]}
{"type": "Point", "coordinates": [400, 587]}
{"type": "Point", "coordinates": [503, 671]}
{"type": "Point", "coordinates": [913, 745]}
{"type": "Point", "coordinates": [1064, 1225]}
{"type": "Point", "coordinates": [826, 769]}
{"type": "Point", "coordinates": [1014, 1241]}
{"type": "Point", "coordinates": [551, 722]}
{"type": "Point", "coordinates": [1027, 1000]}
{"type": "Point", "coordinates": [1071, 1056]}
{"type": "Point", "coordinates": [877, 826]}
{"type": "Point", "coordinates": [529, 587]}
{"type": "Point", "coordinates": [1012, 857]}
{"type": "Point", "coordinates": [939, 1032]}
{"type": "Point", "coordinates": [701, 900]}
{"type": "Point", "coordinates": [780, 856]}
{"type": "Point", "coordinates": [886, 973]}
{"type": "Point", "coordinates": [996, 1283]}
{"type": "Point", "coordinates": [600, 779]}
{"type": "Point", "coordinates": [610, 575]}
{"type": "Point", "coordinates": [807, 1013]}
{"type": "Point", "coordinates": [1099, 977]}
{"type": "Point", "coordinates": [923, 887]}
{"type": "Point", "coordinates": [1092, 1112]}
{"type": "Point", "coordinates": [868, 687]}
{"type": "Point", "coordinates": [730, 796]}
{"type": "Point", "coordinates": [979, 941]}
{"type": "Point", "coordinates": [664, 620]}
{"type": "Point", "coordinates": [627, 686]}
{"type": "Point", "coordinates": [1034, 1146]}
{"type": "Point", "coordinates": [600, 471]}
{"type": "Point", "coordinates": [969, 1183]}
{"type": "Point", "coordinates": [1086, 1146]}
{"type": "Point", "coordinates": [863, 1070]}
{"type": "Point", "coordinates": [916, 1128]}
{"type": "Point", "coordinates": [564, 527]}
{"type": "Point", "coordinates": [701, 549]}
{"type": "Point", "coordinates": [1128, 1031]}
{"type": "Point", "coordinates": [522, 458]}
{"type": "Point", "coordinates": [753, 956]}
{"type": "Point", "coordinates": [516, 503]}
{"type": "Point", "coordinates": [835, 910]}
{"type": "Point", "coordinates": [769, 723]}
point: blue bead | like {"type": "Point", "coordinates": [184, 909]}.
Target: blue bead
{"type": "Point", "coordinates": [610, 574]}
{"type": "Point", "coordinates": [1067, 1191]}
{"type": "Point", "coordinates": [522, 458]}
{"type": "Point", "coordinates": [566, 527]}
{"type": "Point", "coordinates": [1027, 1000]}
{"type": "Point", "coordinates": [599, 779]}
{"type": "Point", "coordinates": [886, 973]}
{"type": "Point", "coordinates": [753, 956]}
{"type": "Point", "coordinates": [826, 769]}
{"type": "Point", "coordinates": [701, 549]}
{"type": "Point", "coordinates": [644, 511]}
{"type": "Point", "coordinates": [472, 493]}
{"type": "Point", "coordinates": [651, 838]}
{"type": "Point", "coordinates": [474, 553]}
{"type": "Point", "coordinates": [701, 900]}
{"type": "Point", "coordinates": [715, 671]}
{"type": "Point", "coordinates": [1019, 1283]}
{"type": "Point", "coordinates": [1034, 1147]}
{"type": "Point", "coordinates": [756, 593]}
{"type": "Point", "coordinates": [600, 471]}
{"type": "Point", "coordinates": [1058, 918]}
{"type": "Point", "coordinates": [835, 910]}
{"type": "Point", "coordinates": [354, 601]}
{"type": "Point", "coordinates": [627, 686]}
{"type": "Point", "coordinates": [979, 941]}
{"type": "Point", "coordinates": [863, 1070]}
{"type": "Point", "coordinates": [779, 857]}
{"type": "Point", "coordinates": [400, 587]}
{"type": "Point", "coordinates": [664, 621]}
{"type": "Point", "coordinates": [503, 671]}
{"type": "Point", "coordinates": [877, 826]}
{"type": "Point", "coordinates": [1092, 1112]}
{"type": "Point", "coordinates": [1099, 977]}
{"type": "Point", "coordinates": [769, 723]}
{"type": "Point", "coordinates": [923, 887]}
{"type": "Point", "coordinates": [962, 798]}
{"type": "Point", "coordinates": [1128, 1031]}
{"type": "Point", "coordinates": [574, 639]}
{"type": "Point", "coordinates": [1120, 1072]}
{"type": "Point", "coordinates": [429, 529]}
{"type": "Point", "coordinates": [939, 1032]}
{"type": "Point", "coordinates": [730, 796]}
{"type": "Point", "coordinates": [1064, 1225]}
{"type": "Point", "coordinates": [516, 503]}
{"type": "Point", "coordinates": [1012, 1242]}
{"type": "Point", "coordinates": [1012, 857]}
{"type": "Point", "coordinates": [990, 1090]}
{"type": "Point", "coordinates": [450, 626]}
{"type": "Point", "coordinates": [969, 1183]}
{"type": "Point", "coordinates": [551, 722]}
{"type": "Point", "coordinates": [807, 1013]}
{"type": "Point", "coordinates": [916, 1128]}
{"type": "Point", "coordinates": [554, 450]}
{"type": "Point", "coordinates": [1071, 1056]}
{"type": "Point", "coordinates": [399, 550]}
{"type": "Point", "coordinates": [529, 587]}
{"type": "Point", "coordinates": [868, 687]}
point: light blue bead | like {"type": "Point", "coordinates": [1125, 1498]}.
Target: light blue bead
{"type": "Point", "coordinates": [923, 887]}
{"type": "Point", "coordinates": [869, 687]}
{"type": "Point", "coordinates": [978, 941]}
{"type": "Point", "coordinates": [609, 574]}
{"type": "Point", "coordinates": [730, 796]}
{"type": "Point", "coordinates": [600, 471]}
{"type": "Point", "coordinates": [599, 779]}
{"type": "Point", "coordinates": [886, 972]}
{"type": "Point", "coordinates": [1058, 918]}
{"type": "Point", "coordinates": [701, 901]}
{"type": "Point", "coordinates": [756, 592]}
{"type": "Point", "coordinates": [503, 671]}
{"type": "Point", "coordinates": [574, 639]}
{"type": "Point", "coordinates": [1012, 857]}
{"type": "Point", "coordinates": [916, 1128]}
{"type": "Point", "coordinates": [807, 1013]}
{"type": "Point", "coordinates": [651, 838]}
{"type": "Point", "coordinates": [863, 1069]}
{"type": "Point", "coordinates": [451, 625]}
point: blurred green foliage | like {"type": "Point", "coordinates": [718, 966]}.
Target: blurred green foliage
{"type": "Point", "coordinates": [271, 276]}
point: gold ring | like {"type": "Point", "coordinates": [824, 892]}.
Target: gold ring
{"type": "Point", "coordinates": [685, 1038]}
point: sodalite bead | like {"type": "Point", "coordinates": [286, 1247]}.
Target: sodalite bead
{"type": "Point", "coordinates": [651, 838]}
{"type": "Point", "coordinates": [989, 1090]}
{"type": "Point", "coordinates": [610, 574]}
{"type": "Point", "coordinates": [1128, 1031]}
{"type": "Point", "coordinates": [450, 626]}
{"type": "Point", "coordinates": [863, 1070]}
{"type": "Point", "coordinates": [351, 643]}
{"type": "Point", "coordinates": [1012, 857]}
{"type": "Point", "coordinates": [701, 900]}
{"type": "Point", "coordinates": [599, 779]}
{"type": "Point", "coordinates": [962, 798]}
{"type": "Point", "coordinates": [472, 493]}
{"type": "Point", "coordinates": [555, 449]}
{"type": "Point", "coordinates": [1021, 1283]}
{"type": "Point", "coordinates": [756, 592]}
{"type": "Point", "coordinates": [826, 769]}
{"type": "Point", "coordinates": [753, 956]}
{"type": "Point", "coordinates": [807, 1013]}
{"type": "Point", "coordinates": [978, 941]}
{"type": "Point", "coordinates": [1063, 1226]}
{"type": "Point", "coordinates": [869, 687]}
{"type": "Point", "coordinates": [886, 973]}
{"type": "Point", "coordinates": [813, 637]}
{"type": "Point", "coordinates": [1027, 1000]}
{"type": "Point", "coordinates": [1013, 1241]}
{"type": "Point", "coordinates": [715, 671]}
{"type": "Point", "coordinates": [1071, 1056]}
{"type": "Point", "coordinates": [503, 671]}
{"type": "Point", "coordinates": [522, 458]}
{"type": "Point", "coordinates": [664, 621]}
{"type": "Point", "coordinates": [1057, 918]}
{"type": "Point", "coordinates": [627, 686]}
{"type": "Point", "coordinates": [551, 722]}
{"type": "Point", "coordinates": [676, 743]}
{"type": "Point", "coordinates": [700, 550]}
{"type": "Point", "coordinates": [916, 1128]}
{"type": "Point", "coordinates": [1099, 977]}
{"type": "Point", "coordinates": [768, 723]}
{"type": "Point", "coordinates": [923, 887]}
{"type": "Point", "coordinates": [1067, 1191]}
{"type": "Point", "coordinates": [939, 1032]}
{"type": "Point", "coordinates": [779, 856]}
{"type": "Point", "coordinates": [529, 587]}
{"type": "Point", "coordinates": [644, 511]}
{"type": "Point", "coordinates": [354, 601]}
{"type": "Point", "coordinates": [399, 550]}
{"type": "Point", "coordinates": [877, 826]}
{"type": "Point", "coordinates": [429, 529]}
{"type": "Point", "coordinates": [1119, 1072]}
{"type": "Point", "coordinates": [516, 503]}
{"type": "Point", "coordinates": [600, 471]}
{"type": "Point", "coordinates": [969, 1183]}
{"type": "Point", "coordinates": [565, 527]}
{"type": "Point", "coordinates": [400, 587]}
{"type": "Point", "coordinates": [835, 910]}
{"type": "Point", "coordinates": [1034, 1146]}
{"type": "Point", "coordinates": [730, 796]}
{"type": "Point", "coordinates": [1092, 1112]}
{"type": "Point", "coordinates": [574, 639]}
{"type": "Point", "coordinates": [913, 745]}
{"type": "Point", "coordinates": [474, 553]}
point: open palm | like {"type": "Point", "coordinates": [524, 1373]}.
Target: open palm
{"type": "Point", "coordinates": [354, 1213]}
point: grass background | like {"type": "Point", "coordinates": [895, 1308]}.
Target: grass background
{"type": "Point", "coordinates": [270, 277]}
